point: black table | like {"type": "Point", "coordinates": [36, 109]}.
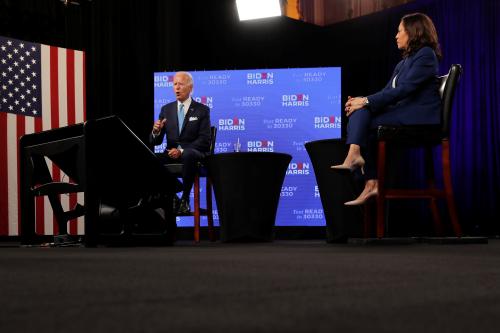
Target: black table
{"type": "Point", "coordinates": [336, 187]}
{"type": "Point", "coordinates": [247, 189]}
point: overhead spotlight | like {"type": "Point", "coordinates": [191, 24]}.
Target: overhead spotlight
{"type": "Point", "coordinates": [255, 9]}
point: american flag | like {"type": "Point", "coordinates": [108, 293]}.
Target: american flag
{"type": "Point", "coordinates": [41, 87]}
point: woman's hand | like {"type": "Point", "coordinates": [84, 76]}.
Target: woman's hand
{"type": "Point", "coordinates": [353, 104]}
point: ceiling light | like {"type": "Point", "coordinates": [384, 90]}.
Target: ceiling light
{"type": "Point", "coordinates": [255, 9]}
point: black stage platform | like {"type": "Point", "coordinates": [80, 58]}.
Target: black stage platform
{"type": "Point", "coordinates": [284, 286]}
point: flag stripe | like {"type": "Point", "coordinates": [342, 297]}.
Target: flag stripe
{"type": "Point", "coordinates": [12, 172]}
{"type": "Point", "coordinates": [54, 109]}
{"type": "Point", "coordinates": [80, 114]}
{"type": "Point", "coordinates": [39, 201]}
{"type": "Point", "coordinates": [21, 129]}
{"type": "Point", "coordinates": [48, 214]}
{"type": "Point", "coordinates": [4, 192]}
{"type": "Point", "coordinates": [46, 222]}
{"type": "Point", "coordinates": [62, 87]}
{"type": "Point", "coordinates": [39, 214]}
{"type": "Point", "coordinates": [84, 75]}
{"type": "Point", "coordinates": [66, 110]}
{"type": "Point", "coordinates": [79, 80]}
{"type": "Point", "coordinates": [62, 113]}
{"type": "Point", "coordinates": [30, 123]}
{"type": "Point", "coordinates": [70, 93]}
{"type": "Point", "coordinates": [70, 85]}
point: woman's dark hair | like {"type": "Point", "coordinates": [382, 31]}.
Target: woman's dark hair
{"type": "Point", "coordinates": [421, 32]}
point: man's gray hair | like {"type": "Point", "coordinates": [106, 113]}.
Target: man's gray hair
{"type": "Point", "coordinates": [188, 75]}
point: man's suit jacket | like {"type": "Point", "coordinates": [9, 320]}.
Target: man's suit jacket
{"type": "Point", "coordinates": [195, 131]}
{"type": "Point", "coordinates": [415, 99]}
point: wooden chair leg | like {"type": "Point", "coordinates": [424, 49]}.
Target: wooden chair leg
{"type": "Point", "coordinates": [448, 188]}
{"type": "Point", "coordinates": [197, 208]}
{"type": "Point", "coordinates": [381, 189]}
{"type": "Point", "coordinates": [210, 216]}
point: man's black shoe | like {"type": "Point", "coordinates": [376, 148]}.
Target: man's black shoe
{"type": "Point", "coordinates": [176, 204]}
{"type": "Point", "coordinates": [184, 207]}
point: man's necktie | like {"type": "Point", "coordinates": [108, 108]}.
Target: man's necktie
{"type": "Point", "coordinates": [180, 116]}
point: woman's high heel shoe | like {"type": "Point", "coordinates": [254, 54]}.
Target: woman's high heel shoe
{"type": "Point", "coordinates": [361, 201]}
{"type": "Point", "coordinates": [358, 162]}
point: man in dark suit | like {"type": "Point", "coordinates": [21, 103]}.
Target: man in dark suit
{"type": "Point", "coordinates": [187, 126]}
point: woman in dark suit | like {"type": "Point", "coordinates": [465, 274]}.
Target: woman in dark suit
{"type": "Point", "coordinates": [410, 97]}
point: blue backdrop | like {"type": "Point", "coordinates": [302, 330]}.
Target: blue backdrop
{"type": "Point", "coordinates": [270, 110]}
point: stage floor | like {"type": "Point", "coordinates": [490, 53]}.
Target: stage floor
{"type": "Point", "coordinates": [292, 286]}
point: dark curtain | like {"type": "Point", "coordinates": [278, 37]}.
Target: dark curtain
{"type": "Point", "coordinates": [127, 40]}
{"type": "Point", "coordinates": [470, 35]}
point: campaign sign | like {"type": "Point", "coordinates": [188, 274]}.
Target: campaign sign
{"type": "Point", "coordinates": [269, 110]}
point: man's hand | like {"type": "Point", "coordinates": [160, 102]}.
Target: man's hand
{"type": "Point", "coordinates": [158, 126]}
{"type": "Point", "coordinates": [174, 153]}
